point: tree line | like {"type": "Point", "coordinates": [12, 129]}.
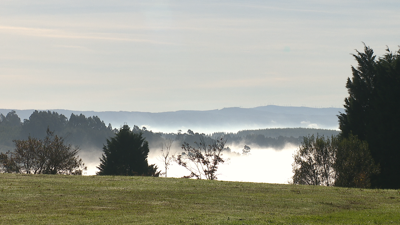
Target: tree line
{"type": "Point", "coordinates": [92, 132]}
{"type": "Point", "coordinates": [78, 130]}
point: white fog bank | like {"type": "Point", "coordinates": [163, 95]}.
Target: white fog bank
{"type": "Point", "coordinates": [261, 165]}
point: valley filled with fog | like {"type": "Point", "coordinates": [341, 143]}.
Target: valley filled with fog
{"type": "Point", "coordinates": [273, 134]}
{"type": "Point", "coordinates": [260, 165]}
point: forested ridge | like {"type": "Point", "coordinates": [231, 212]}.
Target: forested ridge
{"type": "Point", "coordinates": [91, 132]}
{"type": "Point", "coordinates": [77, 130]}
{"type": "Point", "coordinates": [226, 119]}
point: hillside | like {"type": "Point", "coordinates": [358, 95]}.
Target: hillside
{"type": "Point", "coordinates": [53, 199]}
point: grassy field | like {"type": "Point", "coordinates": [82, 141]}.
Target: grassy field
{"type": "Point", "coordinates": [57, 199]}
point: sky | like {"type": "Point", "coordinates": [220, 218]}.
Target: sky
{"type": "Point", "coordinates": [157, 56]}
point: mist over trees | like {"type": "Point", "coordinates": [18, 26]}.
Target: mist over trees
{"type": "Point", "coordinates": [208, 121]}
{"type": "Point", "coordinates": [92, 132]}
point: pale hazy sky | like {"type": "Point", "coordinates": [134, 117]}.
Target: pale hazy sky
{"type": "Point", "coordinates": [171, 55]}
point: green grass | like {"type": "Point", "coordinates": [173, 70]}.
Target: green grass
{"type": "Point", "coordinates": [57, 199]}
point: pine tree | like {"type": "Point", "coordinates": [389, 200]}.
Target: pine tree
{"type": "Point", "coordinates": [126, 154]}
{"type": "Point", "coordinates": [372, 112]}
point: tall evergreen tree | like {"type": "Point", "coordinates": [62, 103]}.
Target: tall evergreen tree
{"type": "Point", "coordinates": [372, 111]}
{"type": "Point", "coordinates": [126, 154]}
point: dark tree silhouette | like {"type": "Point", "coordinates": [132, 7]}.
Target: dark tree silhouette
{"type": "Point", "coordinates": [372, 112]}
{"type": "Point", "coordinates": [126, 154]}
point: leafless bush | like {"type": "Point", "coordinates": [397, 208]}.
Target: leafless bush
{"type": "Point", "coordinates": [202, 160]}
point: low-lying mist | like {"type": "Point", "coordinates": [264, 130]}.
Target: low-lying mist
{"type": "Point", "coordinates": [260, 165]}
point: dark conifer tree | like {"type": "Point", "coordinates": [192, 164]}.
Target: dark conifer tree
{"type": "Point", "coordinates": [372, 112]}
{"type": "Point", "coordinates": [126, 154]}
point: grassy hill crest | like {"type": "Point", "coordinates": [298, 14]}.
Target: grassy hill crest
{"type": "Point", "coordinates": [57, 199]}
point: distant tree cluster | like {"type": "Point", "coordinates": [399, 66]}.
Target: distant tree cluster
{"type": "Point", "coordinates": [276, 138]}
{"type": "Point", "coordinates": [262, 141]}
{"type": "Point", "coordinates": [10, 129]}
{"type": "Point", "coordinates": [92, 132]}
{"type": "Point", "coordinates": [288, 132]}
{"type": "Point", "coordinates": [78, 130]}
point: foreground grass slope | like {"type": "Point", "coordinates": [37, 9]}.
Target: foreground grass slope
{"type": "Point", "coordinates": [56, 199]}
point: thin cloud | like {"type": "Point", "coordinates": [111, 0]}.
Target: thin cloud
{"type": "Point", "coordinates": [72, 47]}
{"type": "Point", "coordinates": [318, 7]}
{"type": "Point", "coordinates": [52, 33]}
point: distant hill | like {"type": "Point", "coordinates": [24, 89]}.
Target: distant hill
{"type": "Point", "coordinates": [208, 121]}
